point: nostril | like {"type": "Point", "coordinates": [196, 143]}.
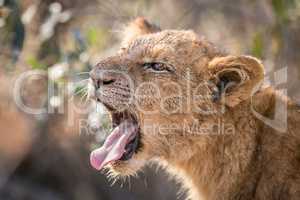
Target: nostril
{"type": "Point", "coordinates": [102, 77]}
{"type": "Point", "coordinates": [98, 83]}
{"type": "Point", "coordinates": [107, 82]}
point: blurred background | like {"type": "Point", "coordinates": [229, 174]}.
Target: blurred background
{"type": "Point", "coordinates": [47, 48]}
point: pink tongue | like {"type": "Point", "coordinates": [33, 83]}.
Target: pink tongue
{"type": "Point", "coordinates": [114, 146]}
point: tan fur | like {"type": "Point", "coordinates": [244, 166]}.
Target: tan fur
{"type": "Point", "coordinates": [250, 160]}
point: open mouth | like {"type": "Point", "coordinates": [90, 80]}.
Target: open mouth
{"type": "Point", "coordinates": [122, 142]}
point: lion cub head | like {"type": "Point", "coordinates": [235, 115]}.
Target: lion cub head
{"type": "Point", "coordinates": [157, 86]}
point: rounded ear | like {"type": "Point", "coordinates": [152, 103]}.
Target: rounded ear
{"type": "Point", "coordinates": [236, 77]}
{"type": "Point", "coordinates": [139, 26]}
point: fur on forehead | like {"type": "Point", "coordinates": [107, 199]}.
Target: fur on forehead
{"type": "Point", "coordinates": [139, 26]}
{"type": "Point", "coordinates": [186, 43]}
{"type": "Point", "coordinates": [145, 42]}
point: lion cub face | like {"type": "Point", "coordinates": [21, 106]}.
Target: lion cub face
{"type": "Point", "coordinates": [159, 84]}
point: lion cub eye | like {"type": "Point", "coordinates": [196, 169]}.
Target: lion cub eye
{"type": "Point", "coordinates": [156, 66]}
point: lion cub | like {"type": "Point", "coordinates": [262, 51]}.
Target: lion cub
{"type": "Point", "coordinates": [177, 100]}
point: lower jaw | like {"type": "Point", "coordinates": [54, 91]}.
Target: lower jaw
{"type": "Point", "coordinates": [129, 167]}
{"type": "Point", "coordinates": [123, 168]}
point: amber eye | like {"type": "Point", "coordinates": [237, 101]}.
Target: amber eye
{"type": "Point", "coordinates": [156, 66]}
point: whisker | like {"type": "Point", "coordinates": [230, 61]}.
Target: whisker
{"type": "Point", "coordinates": [82, 97]}
{"type": "Point", "coordinates": [80, 91]}
{"type": "Point", "coordinates": [81, 81]}
{"type": "Point", "coordinates": [86, 98]}
{"type": "Point", "coordinates": [129, 182]}
{"type": "Point", "coordinates": [82, 73]}
{"type": "Point", "coordinates": [97, 109]}
{"type": "Point", "coordinates": [122, 183]}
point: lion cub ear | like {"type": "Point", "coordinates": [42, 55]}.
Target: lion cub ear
{"type": "Point", "coordinates": [236, 78]}
{"type": "Point", "coordinates": [139, 26]}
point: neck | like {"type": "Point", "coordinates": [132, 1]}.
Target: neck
{"type": "Point", "coordinates": [221, 162]}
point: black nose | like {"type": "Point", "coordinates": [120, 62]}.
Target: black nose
{"type": "Point", "coordinates": [102, 77]}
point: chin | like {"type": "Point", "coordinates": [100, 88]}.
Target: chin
{"type": "Point", "coordinates": [127, 168]}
